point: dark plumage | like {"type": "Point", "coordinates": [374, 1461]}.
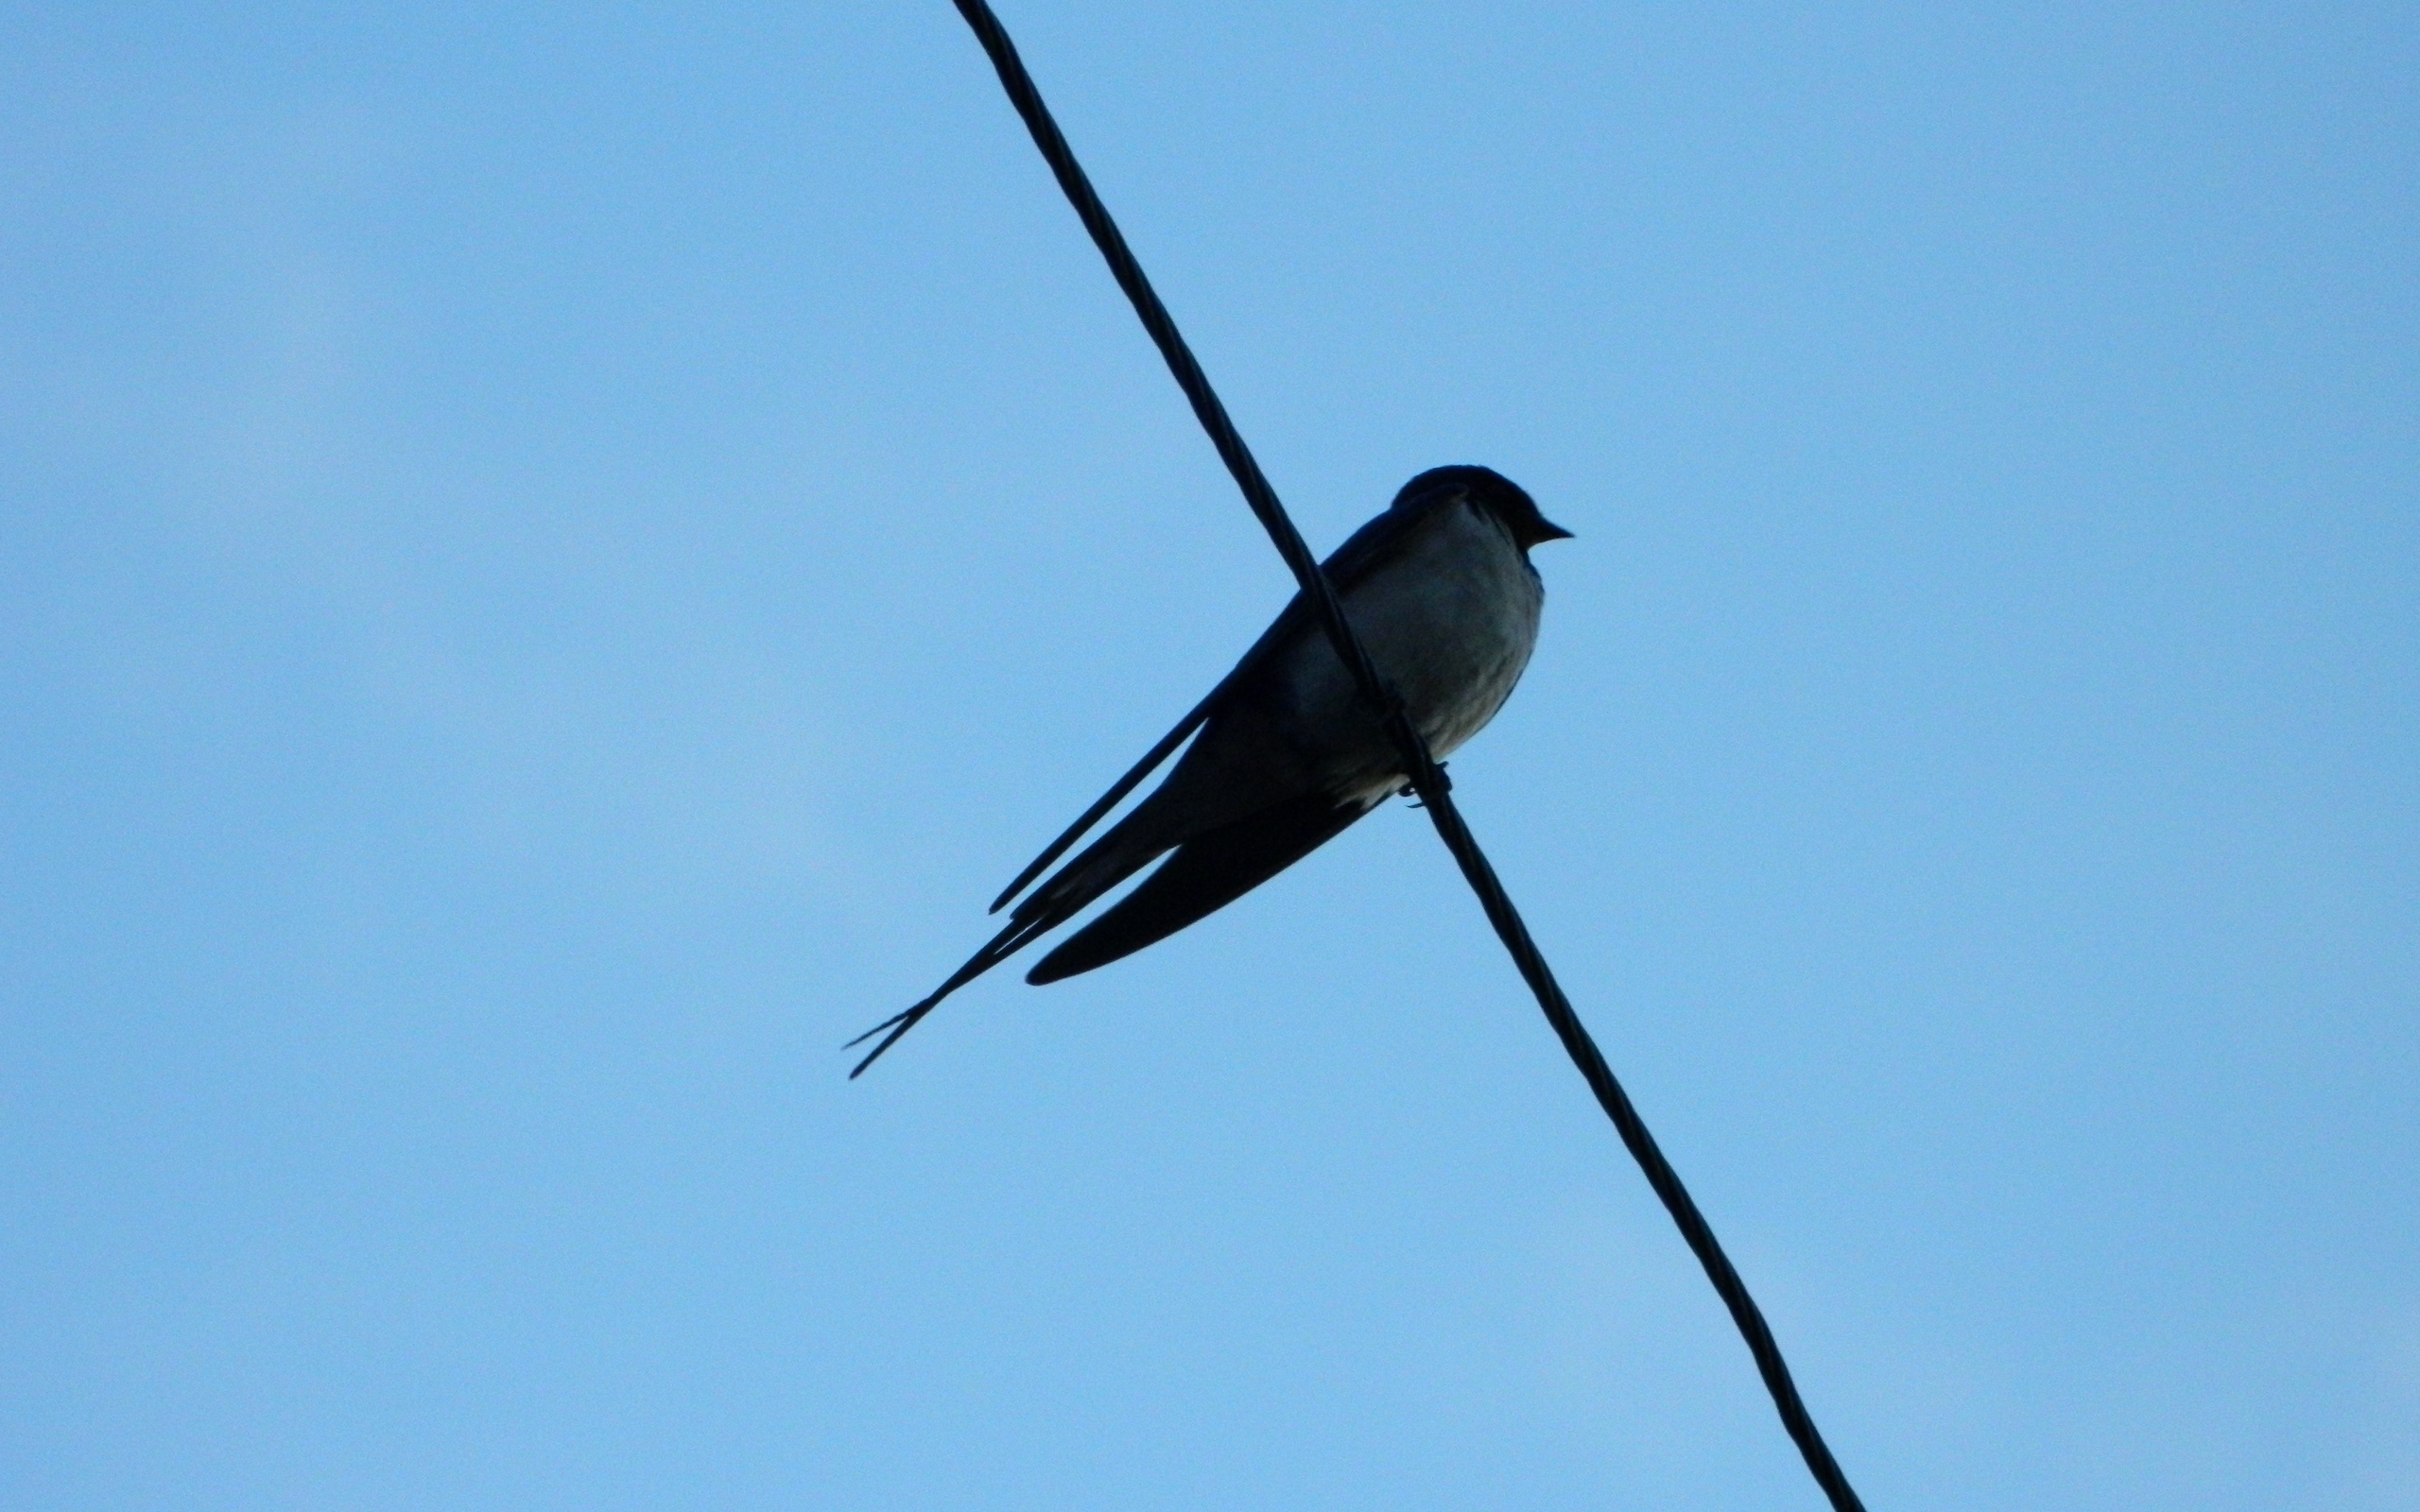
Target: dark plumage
{"type": "Point", "coordinates": [1439, 589]}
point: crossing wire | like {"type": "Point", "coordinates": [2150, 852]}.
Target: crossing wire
{"type": "Point", "coordinates": [1428, 779]}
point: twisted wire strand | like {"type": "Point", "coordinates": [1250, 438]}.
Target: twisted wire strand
{"type": "Point", "coordinates": [1428, 779]}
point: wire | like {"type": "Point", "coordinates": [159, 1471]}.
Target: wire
{"type": "Point", "coordinates": [1428, 779]}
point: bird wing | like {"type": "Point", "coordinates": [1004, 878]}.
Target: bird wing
{"type": "Point", "coordinates": [1366, 549]}
{"type": "Point", "coordinates": [1203, 875]}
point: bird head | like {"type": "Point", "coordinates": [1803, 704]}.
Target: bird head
{"type": "Point", "coordinates": [1487, 489]}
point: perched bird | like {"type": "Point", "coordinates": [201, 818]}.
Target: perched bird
{"type": "Point", "coordinates": [1441, 592]}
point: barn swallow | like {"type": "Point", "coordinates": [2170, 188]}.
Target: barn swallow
{"type": "Point", "coordinates": [1441, 592]}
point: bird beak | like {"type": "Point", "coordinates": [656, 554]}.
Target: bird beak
{"type": "Point", "coordinates": [1548, 530]}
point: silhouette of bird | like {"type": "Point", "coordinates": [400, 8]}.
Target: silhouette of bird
{"type": "Point", "coordinates": [1439, 589]}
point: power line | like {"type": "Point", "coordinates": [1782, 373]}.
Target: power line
{"type": "Point", "coordinates": [1428, 779]}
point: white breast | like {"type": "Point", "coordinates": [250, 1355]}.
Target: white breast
{"type": "Point", "coordinates": [1451, 622]}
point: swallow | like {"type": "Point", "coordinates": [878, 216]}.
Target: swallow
{"type": "Point", "coordinates": [1441, 592]}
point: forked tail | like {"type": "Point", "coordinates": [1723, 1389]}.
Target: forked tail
{"type": "Point", "coordinates": [1004, 944]}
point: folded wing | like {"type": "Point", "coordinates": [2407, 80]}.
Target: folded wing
{"type": "Point", "coordinates": [1203, 875]}
{"type": "Point", "coordinates": [1364, 552]}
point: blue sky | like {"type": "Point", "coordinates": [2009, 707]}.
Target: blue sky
{"type": "Point", "coordinates": [554, 560]}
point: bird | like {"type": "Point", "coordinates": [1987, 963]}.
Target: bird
{"type": "Point", "coordinates": [1438, 588]}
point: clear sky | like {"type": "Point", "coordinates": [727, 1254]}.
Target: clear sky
{"type": "Point", "coordinates": [553, 558]}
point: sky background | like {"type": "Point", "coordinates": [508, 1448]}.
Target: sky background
{"type": "Point", "coordinates": [552, 560]}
